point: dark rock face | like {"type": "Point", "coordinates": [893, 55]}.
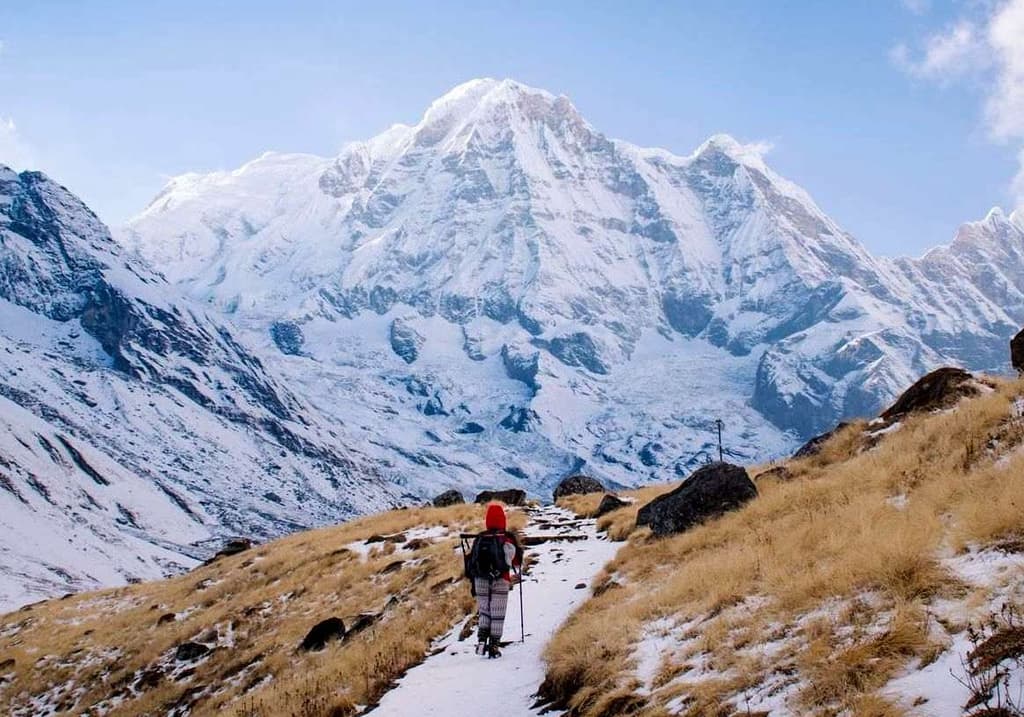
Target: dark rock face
{"type": "Point", "coordinates": [608, 504]}
{"type": "Point", "coordinates": [940, 389]}
{"type": "Point", "coordinates": [190, 651]}
{"type": "Point", "coordinates": [577, 349]}
{"type": "Point", "coordinates": [813, 447]}
{"type": "Point", "coordinates": [469, 428]}
{"type": "Point", "coordinates": [1017, 352]}
{"type": "Point", "coordinates": [449, 497]}
{"type": "Point", "coordinates": [520, 420]}
{"type": "Point", "coordinates": [521, 366]}
{"type": "Point", "coordinates": [577, 485]}
{"type": "Point", "coordinates": [287, 336]}
{"type": "Point", "coordinates": [323, 632]}
{"type": "Point", "coordinates": [707, 493]}
{"type": "Point", "coordinates": [405, 340]}
{"type": "Point", "coordinates": [512, 496]}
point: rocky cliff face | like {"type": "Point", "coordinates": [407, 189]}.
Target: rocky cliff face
{"type": "Point", "coordinates": [137, 431]}
{"type": "Point", "coordinates": [583, 299]}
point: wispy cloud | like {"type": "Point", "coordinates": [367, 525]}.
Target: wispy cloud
{"type": "Point", "coordinates": [15, 152]}
{"type": "Point", "coordinates": [918, 7]}
{"type": "Point", "coordinates": [947, 56]}
{"type": "Point", "coordinates": [987, 46]}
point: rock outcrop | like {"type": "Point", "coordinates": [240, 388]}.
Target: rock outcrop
{"type": "Point", "coordinates": [512, 496]}
{"type": "Point", "coordinates": [449, 497]}
{"type": "Point", "coordinates": [940, 389]}
{"type": "Point", "coordinates": [333, 628]}
{"type": "Point", "coordinates": [709, 492]}
{"type": "Point", "coordinates": [609, 503]}
{"type": "Point", "coordinates": [577, 485]}
{"type": "Point", "coordinates": [1017, 352]}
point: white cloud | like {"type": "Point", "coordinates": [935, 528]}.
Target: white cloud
{"type": "Point", "coordinates": [14, 151]}
{"type": "Point", "coordinates": [990, 46]}
{"type": "Point", "coordinates": [946, 56]}
{"type": "Point", "coordinates": [918, 7]}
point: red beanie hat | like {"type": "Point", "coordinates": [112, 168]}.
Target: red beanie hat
{"type": "Point", "coordinates": [495, 517]}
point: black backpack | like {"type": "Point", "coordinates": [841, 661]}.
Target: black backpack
{"type": "Point", "coordinates": [486, 559]}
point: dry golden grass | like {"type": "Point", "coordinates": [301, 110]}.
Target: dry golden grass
{"type": "Point", "coordinates": [868, 517]}
{"type": "Point", "coordinates": [257, 607]}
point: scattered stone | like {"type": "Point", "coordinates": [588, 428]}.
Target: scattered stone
{"type": "Point", "coordinates": [709, 492]}
{"type": "Point", "coordinates": [813, 447]}
{"type": "Point", "coordinates": [449, 497]}
{"type": "Point", "coordinates": [512, 496]}
{"type": "Point", "coordinates": [190, 651]}
{"type": "Point", "coordinates": [534, 540]}
{"type": "Point", "coordinates": [397, 538]}
{"type": "Point", "coordinates": [1017, 352]}
{"type": "Point", "coordinates": [778, 473]}
{"type": "Point", "coordinates": [8, 664]}
{"type": "Point", "coordinates": [940, 389]}
{"type": "Point", "coordinates": [577, 485]}
{"type": "Point", "coordinates": [608, 504]}
{"type": "Point", "coordinates": [581, 586]}
{"type": "Point", "coordinates": [149, 679]}
{"type": "Point", "coordinates": [417, 544]}
{"type": "Point", "coordinates": [166, 618]}
{"type": "Point", "coordinates": [323, 632]}
{"type": "Point", "coordinates": [392, 567]}
{"type": "Point", "coordinates": [363, 620]}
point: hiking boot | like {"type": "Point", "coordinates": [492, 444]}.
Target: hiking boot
{"type": "Point", "coordinates": [481, 648]}
{"type": "Point", "coordinates": [493, 651]}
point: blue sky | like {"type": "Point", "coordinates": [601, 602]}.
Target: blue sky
{"type": "Point", "coordinates": [113, 97]}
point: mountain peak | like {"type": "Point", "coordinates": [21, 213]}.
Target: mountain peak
{"type": "Point", "coordinates": [751, 154]}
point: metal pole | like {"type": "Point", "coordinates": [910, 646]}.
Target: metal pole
{"type": "Point", "coordinates": [721, 457]}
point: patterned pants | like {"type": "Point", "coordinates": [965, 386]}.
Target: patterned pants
{"type": "Point", "coordinates": [491, 601]}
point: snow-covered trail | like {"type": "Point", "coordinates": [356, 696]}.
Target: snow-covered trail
{"type": "Point", "coordinates": [455, 681]}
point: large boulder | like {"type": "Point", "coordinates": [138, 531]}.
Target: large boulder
{"type": "Point", "coordinates": [1017, 352]}
{"type": "Point", "coordinates": [323, 632]}
{"type": "Point", "coordinates": [512, 496]}
{"type": "Point", "coordinates": [709, 491]}
{"type": "Point", "coordinates": [940, 389]}
{"type": "Point", "coordinates": [609, 503]}
{"type": "Point", "coordinates": [449, 497]}
{"type": "Point", "coordinates": [577, 485]}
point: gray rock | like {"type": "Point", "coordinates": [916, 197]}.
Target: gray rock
{"type": "Point", "coordinates": [577, 485]}
{"type": "Point", "coordinates": [940, 389]}
{"type": "Point", "coordinates": [709, 492]}
{"type": "Point", "coordinates": [1017, 352]}
{"type": "Point", "coordinates": [512, 496]}
{"type": "Point", "coordinates": [608, 504]}
{"type": "Point", "coordinates": [449, 497]}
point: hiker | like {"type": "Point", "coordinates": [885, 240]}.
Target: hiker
{"type": "Point", "coordinates": [495, 555]}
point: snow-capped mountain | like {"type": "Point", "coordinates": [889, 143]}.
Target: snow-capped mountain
{"type": "Point", "coordinates": [135, 431]}
{"type": "Point", "coordinates": [636, 295]}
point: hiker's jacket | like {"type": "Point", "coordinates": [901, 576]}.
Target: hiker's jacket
{"type": "Point", "coordinates": [497, 523]}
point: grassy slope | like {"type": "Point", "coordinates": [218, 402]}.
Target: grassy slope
{"type": "Point", "coordinates": [105, 653]}
{"type": "Point", "coordinates": [817, 593]}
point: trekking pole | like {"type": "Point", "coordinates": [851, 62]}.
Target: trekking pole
{"type": "Point", "coordinates": [522, 622]}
